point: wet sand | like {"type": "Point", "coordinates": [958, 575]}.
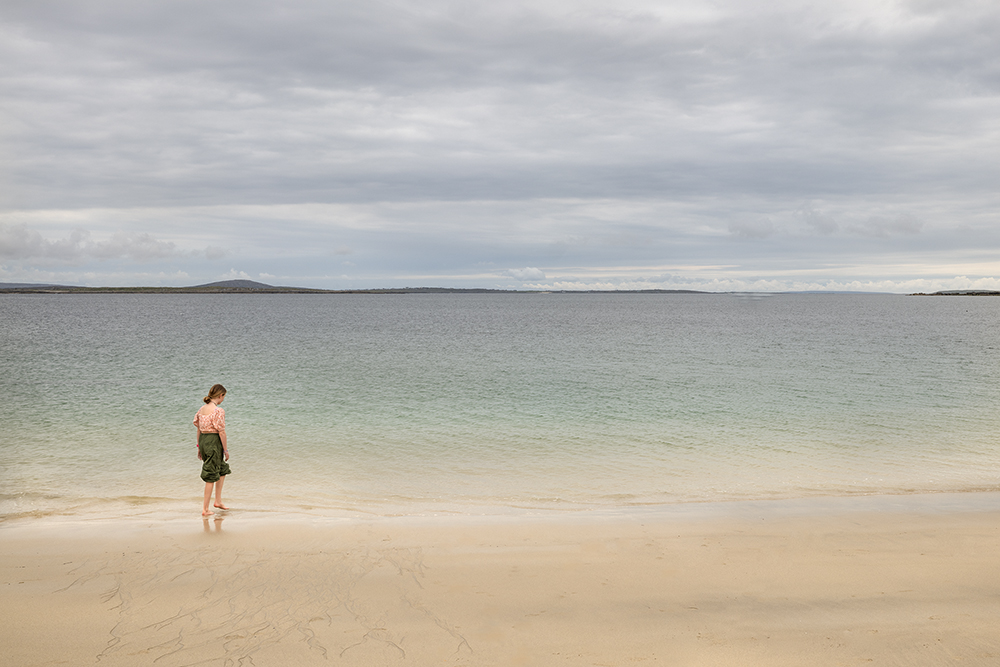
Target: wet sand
{"type": "Point", "coordinates": [854, 584]}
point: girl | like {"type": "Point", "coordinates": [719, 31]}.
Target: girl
{"type": "Point", "coordinates": [210, 422]}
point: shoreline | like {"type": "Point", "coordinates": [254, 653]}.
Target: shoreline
{"type": "Point", "coordinates": [883, 579]}
{"type": "Point", "coordinates": [166, 512]}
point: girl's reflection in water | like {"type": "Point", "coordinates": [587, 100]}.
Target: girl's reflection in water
{"type": "Point", "coordinates": [216, 524]}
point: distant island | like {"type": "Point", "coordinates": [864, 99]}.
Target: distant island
{"type": "Point", "coordinates": [961, 292]}
{"type": "Point", "coordinates": [254, 287]}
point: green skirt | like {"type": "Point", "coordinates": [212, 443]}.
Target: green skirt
{"type": "Point", "coordinates": [214, 463]}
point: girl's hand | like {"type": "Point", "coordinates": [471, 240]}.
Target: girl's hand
{"type": "Point", "coordinates": [199, 455]}
{"type": "Point", "coordinates": [226, 452]}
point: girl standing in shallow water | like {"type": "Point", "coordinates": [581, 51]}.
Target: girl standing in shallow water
{"type": "Point", "coordinates": [212, 449]}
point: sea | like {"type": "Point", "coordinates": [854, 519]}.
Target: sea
{"type": "Point", "coordinates": [362, 405]}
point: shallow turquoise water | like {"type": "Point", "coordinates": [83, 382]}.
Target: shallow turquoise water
{"type": "Point", "coordinates": [466, 403]}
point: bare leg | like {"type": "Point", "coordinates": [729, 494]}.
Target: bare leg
{"type": "Point", "coordinates": [208, 496]}
{"type": "Point", "coordinates": [218, 494]}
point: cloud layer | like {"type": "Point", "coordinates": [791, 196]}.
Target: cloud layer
{"type": "Point", "coordinates": [595, 143]}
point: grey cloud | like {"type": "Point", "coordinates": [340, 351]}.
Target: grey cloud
{"type": "Point", "coordinates": [132, 246]}
{"type": "Point", "coordinates": [226, 102]}
{"type": "Point", "coordinates": [818, 222]}
{"type": "Point", "coordinates": [752, 229]}
{"type": "Point", "coordinates": [527, 273]}
{"type": "Point", "coordinates": [880, 226]}
{"type": "Point", "coordinates": [681, 121]}
{"type": "Point", "coordinates": [807, 221]}
{"type": "Point", "coordinates": [21, 243]}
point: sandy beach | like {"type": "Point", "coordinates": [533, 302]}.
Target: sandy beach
{"type": "Point", "coordinates": [838, 583]}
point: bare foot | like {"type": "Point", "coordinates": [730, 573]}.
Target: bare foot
{"type": "Point", "coordinates": [207, 513]}
{"type": "Point", "coordinates": [220, 506]}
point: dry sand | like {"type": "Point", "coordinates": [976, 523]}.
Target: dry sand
{"type": "Point", "coordinates": [851, 587]}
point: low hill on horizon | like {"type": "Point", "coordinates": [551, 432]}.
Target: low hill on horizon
{"type": "Point", "coordinates": [236, 284]}
{"type": "Point", "coordinates": [252, 286]}
{"type": "Point", "coordinates": [31, 286]}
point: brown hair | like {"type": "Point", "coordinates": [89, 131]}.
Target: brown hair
{"type": "Point", "coordinates": [216, 391]}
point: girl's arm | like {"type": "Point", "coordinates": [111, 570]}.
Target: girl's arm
{"type": "Point", "coordinates": [197, 441]}
{"type": "Point", "coordinates": [220, 426]}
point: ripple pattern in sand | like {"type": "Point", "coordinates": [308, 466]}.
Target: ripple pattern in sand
{"type": "Point", "coordinates": [272, 606]}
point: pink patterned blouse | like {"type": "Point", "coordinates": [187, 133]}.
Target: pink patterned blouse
{"type": "Point", "coordinates": [212, 423]}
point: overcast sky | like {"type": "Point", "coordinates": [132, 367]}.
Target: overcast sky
{"type": "Point", "coordinates": [730, 145]}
